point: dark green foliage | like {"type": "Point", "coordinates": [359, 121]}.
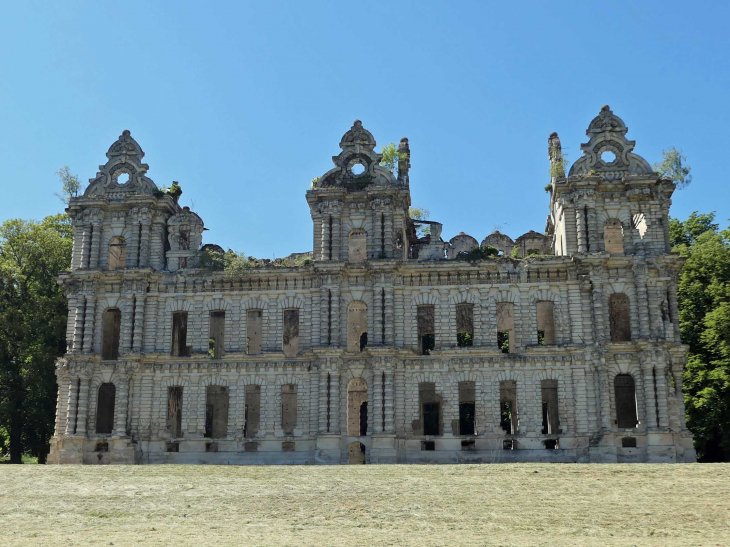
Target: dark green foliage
{"type": "Point", "coordinates": [704, 303]}
{"type": "Point", "coordinates": [32, 330]}
{"type": "Point", "coordinates": [478, 253]}
{"type": "Point", "coordinates": [464, 339]}
{"type": "Point", "coordinates": [541, 338]}
{"type": "Point", "coordinates": [503, 341]}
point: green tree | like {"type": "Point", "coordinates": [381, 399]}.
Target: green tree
{"type": "Point", "coordinates": [391, 156]}
{"type": "Point", "coordinates": [70, 185]}
{"type": "Point", "coordinates": [420, 213]}
{"type": "Point", "coordinates": [673, 166]}
{"type": "Point", "coordinates": [32, 329]}
{"type": "Point", "coordinates": [704, 302]}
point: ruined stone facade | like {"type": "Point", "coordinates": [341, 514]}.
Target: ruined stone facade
{"type": "Point", "coordinates": [385, 346]}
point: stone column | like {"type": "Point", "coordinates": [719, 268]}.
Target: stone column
{"type": "Point", "coordinates": [127, 323]}
{"type": "Point", "coordinates": [661, 393]}
{"type": "Point", "coordinates": [594, 233]}
{"type": "Point", "coordinates": [78, 246]}
{"type": "Point", "coordinates": [603, 390]}
{"type": "Point", "coordinates": [324, 244]}
{"type": "Point", "coordinates": [375, 320]}
{"type": "Point", "coordinates": [399, 399]}
{"type": "Point", "coordinates": [389, 317]}
{"type": "Point", "coordinates": [120, 405]}
{"type": "Point", "coordinates": [133, 244]}
{"type": "Point", "coordinates": [95, 244]}
{"type": "Point", "coordinates": [643, 307]}
{"type": "Point", "coordinates": [139, 323]}
{"type": "Point", "coordinates": [335, 402]}
{"type": "Point", "coordinates": [598, 311]}
{"type": "Point", "coordinates": [85, 245]}
{"type": "Point", "coordinates": [389, 403]}
{"type": "Point", "coordinates": [324, 399]}
{"type": "Point", "coordinates": [678, 372]}
{"type": "Point", "coordinates": [78, 333]}
{"type": "Point", "coordinates": [88, 341]}
{"type": "Point", "coordinates": [389, 236]}
{"type": "Point", "coordinates": [324, 317]}
{"type": "Point", "coordinates": [376, 395]}
{"type": "Point", "coordinates": [336, 238]}
{"type": "Point", "coordinates": [647, 370]}
{"type": "Point", "coordinates": [156, 245]}
{"type": "Point", "coordinates": [144, 244]}
{"type": "Point", "coordinates": [580, 222]}
{"type": "Point", "coordinates": [83, 406]}
{"type": "Point", "coordinates": [674, 310]}
{"type": "Point", "coordinates": [62, 381]}
{"type": "Point", "coordinates": [335, 319]}
{"type": "Point", "coordinates": [72, 402]}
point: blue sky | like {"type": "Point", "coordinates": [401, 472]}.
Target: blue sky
{"type": "Point", "coordinates": [245, 102]}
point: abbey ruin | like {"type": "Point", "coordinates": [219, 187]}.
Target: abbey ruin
{"type": "Point", "coordinates": [382, 346]}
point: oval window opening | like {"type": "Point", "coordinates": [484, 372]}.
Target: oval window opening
{"type": "Point", "coordinates": [358, 169]}
{"type": "Point", "coordinates": [608, 157]}
{"type": "Point", "coordinates": [123, 178]}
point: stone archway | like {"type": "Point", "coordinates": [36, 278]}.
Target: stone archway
{"type": "Point", "coordinates": [356, 453]}
{"type": "Point", "coordinates": [357, 401]}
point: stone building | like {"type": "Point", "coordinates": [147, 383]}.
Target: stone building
{"type": "Point", "coordinates": [384, 346]}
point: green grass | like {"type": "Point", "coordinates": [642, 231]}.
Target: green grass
{"type": "Point", "coordinates": [526, 504]}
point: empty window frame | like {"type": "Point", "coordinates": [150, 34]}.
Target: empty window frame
{"type": "Point", "coordinates": [252, 410]}
{"type": "Point", "coordinates": [290, 333]}
{"type": "Point", "coordinates": [464, 325]}
{"type": "Point", "coordinates": [288, 408]}
{"type": "Point", "coordinates": [180, 334]}
{"type": "Point", "coordinates": [174, 411]}
{"type": "Point", "coordinates": [426, 329]}
{"type": "Point", "coordinates": [506, 327]}
{"type": "Point", "coordinates": [184, 240]}
{"type": "Point", "coordinates": [467, 408]}
{"type": "Point", "coordinates": [117, 253]}
{"type": "Point", "coordinates": [550, 417]}
{"type": "Point", "coordinates": [358, 245]}
{"type": "Point", "coordinates": [105, 408]}
{"type": "Point", "coordinates": [619, 317]}
{"type": "Point", "coordinates": [216, 411]}
{"type": "Point", "coordinates": [357, 326]}
{"type": "Point", "coordinates": [357, 407]}
{"type": "Point", "coordinates": [625, 397]}
{"type": "Point", "coordinates": [111, 327]}
{"type": "Point", "coordinates": [216, 332]}
{"type": "Point", "coordinates": [430, 403]}
{"type": "Point", "coordinates": [545, 323]}
{"type": "Point", "coordinates": [508, 418]}
{"type": "Point", "coordinates": [253, 331]}
{"type": "Point", "coordinates": [613, 236]}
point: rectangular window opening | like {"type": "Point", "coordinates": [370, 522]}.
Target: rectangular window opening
{"type": "Point", "coordinates": [216, 334]}
{"type": "Point", "coordinates": [216, 411]}
{"type": "Point", "coordinates": [180, 334]}
{"type": "Point", "coordinates": [252, 410]}
{"type": "Point", "coordinates": [550, 417]}
{"type": "Point", "coordinates": [465, 325]}
{"type": "Point", "coordinates": [426, 329]}
{"type": "Point", "coordinates": [253, 332]}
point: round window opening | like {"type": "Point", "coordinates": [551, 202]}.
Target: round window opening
{"type": "Point", "coordinates": [123, 178]}
{"type": "Point", "coordinates": [357, 169]}
{"type": "Point", "coordinates": [608, 157]}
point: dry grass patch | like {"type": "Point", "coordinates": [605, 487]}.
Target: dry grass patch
{"type": "Point", "coordinates": [524, 504]}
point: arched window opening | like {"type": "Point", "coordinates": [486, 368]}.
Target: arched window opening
{"type": "Point", "coordinates": [357, 407]}
{"type": "Point", "coordinates": [216, 412]}
{"type": "Point", "coordinates": [358, 244]}
{"type": "Point", "coordinates": [467, 408]}
{"type": "Point", "coordinates": [619, 317]}
{"type": "Point", "coordinates": [254, 320]}
{"type": "Point", "coordinates": [117, 253]}
{"type": "Point", "coordinates": [550, 416]}
{"type": "Point", "coordinates": [288, 408]}
{"type": "Point", "coordinates": [111, 326]}
{"type": "Point", "coordinates": [508, 406]}
{"type": "Point", "coordinates": [625, 394]}
{"type": "Point", "coordinates": [545, 323]}
{"type": "Point", "coordinates": [506, 327]}
{"type": "Point", "coordinates": [430, 406]}
{"type": "Point", "coordinates": [105, 408]}
{"type": "Point", "coordinates": [357, 325]}
{"type": "Point", "coordinates": [613, 237]}
{"type": "Point", "coordinates": [174, 411]}
{"type": "Point", "coordinates": [290, 333]}
{"type": "Point", "coordinates": [464, 325]}
{"type": "Point", "coordinates": [426, 319]}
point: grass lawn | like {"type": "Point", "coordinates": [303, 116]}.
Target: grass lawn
{"type": "Point", "coordinates": [522, 504]}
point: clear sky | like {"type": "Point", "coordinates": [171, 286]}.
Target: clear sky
{"type": "Point", "coordinates": [245, 102]}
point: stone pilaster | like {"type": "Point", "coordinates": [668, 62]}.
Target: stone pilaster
{"type": "Point", "coordinates": [598, 311]}
{"type": "Point", "coordinates": [78, 335]}
{"type": "Point", "coordinates": [580, 223]}
{"type": "Point", "coordinates": [121, 405]}
{"type": "Point", "coordinates": [83, 406]}
{"type": "Point", "coordinates": [661, 393]}
{"type": "Point", "coordinates": [647, 371]}
{"type": "Point", "coordinates": [138, 341]}
{"type": "Point", "coordinates": [594, 233]}
{"type": "Point", "coordinates": [95, 243]}
{"type": "Point", "coordinates": [88, 341]}
{"type": "Point", "coordinates": [72, 405]}
{"type": "Point", "coordinates": [144, 249]}
{"type": "Point", "coordinates": [85, 245]}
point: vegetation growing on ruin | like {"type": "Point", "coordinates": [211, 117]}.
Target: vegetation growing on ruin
{"type": "Point", "coordinates": [673, 166]}
{"type": "Point", "coordinates": [391, 157]}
